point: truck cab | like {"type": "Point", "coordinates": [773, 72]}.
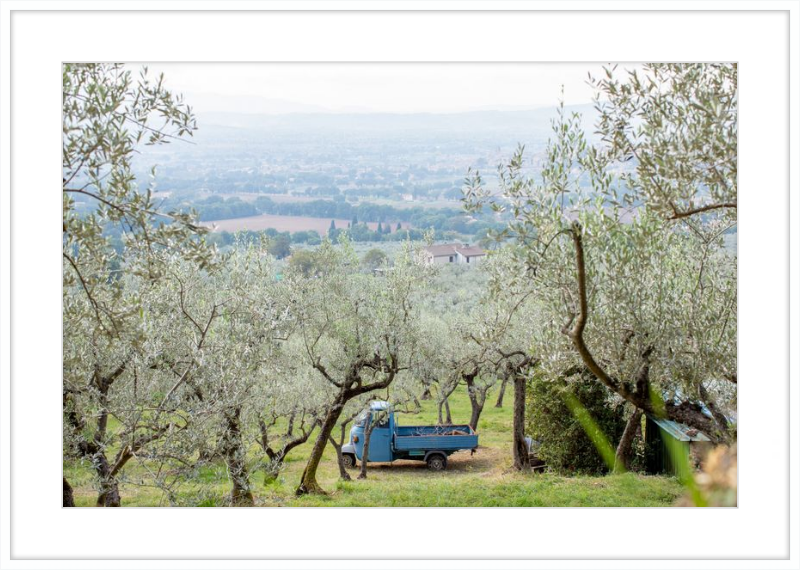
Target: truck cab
{"type": "Point", "coordinates": [389, 441]}
{"type": "Point", "coordinates": [380, 448]}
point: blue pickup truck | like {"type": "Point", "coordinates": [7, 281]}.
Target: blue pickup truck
{"type": "Point", "coordinates": [389, 441]}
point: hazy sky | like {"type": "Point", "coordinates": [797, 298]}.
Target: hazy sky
{"type": "Point", "coordinates": [377, 87]}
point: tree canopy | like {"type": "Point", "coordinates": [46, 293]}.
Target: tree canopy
{"type": "Point", "coordinates": [639, 297]}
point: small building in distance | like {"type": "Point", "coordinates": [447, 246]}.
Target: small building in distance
{"type": "Point", "coordinates": [454, 253]}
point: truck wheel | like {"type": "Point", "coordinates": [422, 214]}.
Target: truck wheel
{"type": "Point", "coordinates": [348, 460]}
{"type": "Point", "coordinates": [437, 462]}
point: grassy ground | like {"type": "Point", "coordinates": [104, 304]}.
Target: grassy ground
{"type": "Point", "coordinates": [485, 479]}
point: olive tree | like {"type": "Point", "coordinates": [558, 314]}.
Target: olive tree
{"type": "Point", "coordinates": [359, 332]}
{"type": "Point", "coordinates": [645, 305]}
{"type": "Point", "coordinates": [94, 365]}
{"type": "Point", "coordinates": [123, 376]}
{"type": "Point", "coordinates": [489, 341]}
{"type": "Point", "coordinates": [237, 376]}
{"type": "Point", "coordinates": [496, 351]}
{"type": "Point", "coordinates": [292, 408]}
{"type": "Point", "coordinates": [197, 367]}
{"type": "Point", "coordinates": [107, 113]}
{"type": "Point", "coordinates": [509, 334]}
{"type": "Point", "coordinates": [678, 123]}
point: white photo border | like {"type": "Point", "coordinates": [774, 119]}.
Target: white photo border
{"type": "Point", "coordinates": [37, 36]}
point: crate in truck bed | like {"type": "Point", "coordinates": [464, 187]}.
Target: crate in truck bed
{"type": "Point", "coordinates": [456, 437]}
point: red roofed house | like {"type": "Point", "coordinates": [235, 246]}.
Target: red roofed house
{"type": "Point", "coordinates": [454, 253]}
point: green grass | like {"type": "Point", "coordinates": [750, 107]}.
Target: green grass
{"type": "Point", "coordinates": [485, 479]}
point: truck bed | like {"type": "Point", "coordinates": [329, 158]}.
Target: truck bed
{"type": "Point", "coordinates": [410, 438]}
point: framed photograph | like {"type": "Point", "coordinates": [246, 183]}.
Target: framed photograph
{"type": "Point", "coordinates": [399, 284]}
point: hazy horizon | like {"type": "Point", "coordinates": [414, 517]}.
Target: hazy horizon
{"type": "Point", "coordinates": [395, 88]}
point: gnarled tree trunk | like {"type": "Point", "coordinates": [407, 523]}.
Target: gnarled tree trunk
{"type": "Point", "coordinates": [365, 456]}
{"type": "Point", "coordinates": [308, 481]}
{"type": "Point", "coordinates": [623, 456]}
{"type": "Point", "coordinates": [499, 403]}
{"type": "Point", "coordinates": [93, 449]}
{"type": "Point", "coordinates": [109, 487]}
{"type": "Point", "coordinates": [445, 418]}
{"type": "Point", "coordinates": [277, 457]}
{"type": "Point", "coordinates": [475, 416]}
{"type": "Point", "coordinates": [236, 459]}
{"type": "Point", "coordinates": [337, 445]}
{"type": "Point", "coordinates": [69, 500]}
{"type": "Point", "coordinates": [477, 398]}
{"type": "Point", "coordinates": [273, 468]}
{"type": "Point", "coordinates": [522, 460]}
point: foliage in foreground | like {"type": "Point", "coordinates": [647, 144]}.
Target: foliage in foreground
{"type": "Point", "coordinates": [565, 445]}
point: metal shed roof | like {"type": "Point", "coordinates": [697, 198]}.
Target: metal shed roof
{"type": "Point", "coordinates": [679, 431]}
